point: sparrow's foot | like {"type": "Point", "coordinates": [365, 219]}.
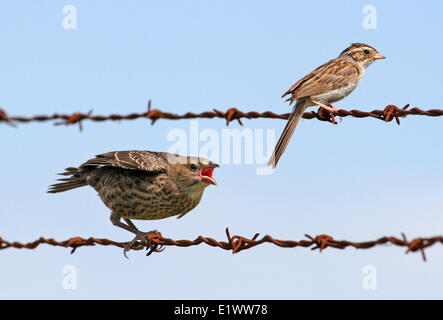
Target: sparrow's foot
{"type": "Point", "coordinates": [143, 237]}
{"type": "Point", "coordinates": [329, 108]}
{"type": "Point", "coordinates": [332, 110]}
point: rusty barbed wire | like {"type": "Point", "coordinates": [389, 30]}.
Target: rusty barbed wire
{"type": "Point", "coordinates": [389, 113]}
{"type": "Point", "coordinates": [156, 243]}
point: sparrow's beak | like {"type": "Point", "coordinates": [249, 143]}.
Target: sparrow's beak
{"type": "Point", "coordinates": [205, 173]}
{"type": "Point", "coordinates": [378, 56]}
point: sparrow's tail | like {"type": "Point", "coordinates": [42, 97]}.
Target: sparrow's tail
{"type": "Point", "coordinates": [74, 181]}
{"type": "Point", "coordinates": [285, 137]}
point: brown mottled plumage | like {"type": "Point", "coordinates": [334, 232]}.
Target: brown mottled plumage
{"type": "Point", "coordinates": [142, 185]}
{"type": "Point", "coordinates": [327, 84]}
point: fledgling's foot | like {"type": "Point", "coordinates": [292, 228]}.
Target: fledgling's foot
{"type": "Point", "coordinates": [140, 236]}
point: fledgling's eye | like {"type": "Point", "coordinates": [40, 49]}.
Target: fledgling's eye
{"type": "Point", "coordinates": [366, 51]}
{"type": "Point", "coordinates": [193, 166]}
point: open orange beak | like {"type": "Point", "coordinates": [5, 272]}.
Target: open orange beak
{"type": "Point", "coordinates": [378, 56]}
{"type": "Point", "coordinates": [205, 174]}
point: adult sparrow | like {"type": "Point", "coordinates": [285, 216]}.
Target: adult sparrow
{"type": "Point", "coordinates": [142, 185]}
{"type": "Point", "coordinates": [327, 84]}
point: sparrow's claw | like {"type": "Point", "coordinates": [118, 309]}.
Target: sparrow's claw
{"type": "Point", "coordinates": [328, 108]}
{"type": "Point", "coordinates": [143, 237]}
{"type": "Point", "coordinates": [332, 110]}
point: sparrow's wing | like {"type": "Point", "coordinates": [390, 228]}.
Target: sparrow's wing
{"type": "Point", "coordinates": [299, 83]}
{"type": "Point", "coordinates": [332, 75]}
{"type": "Point", "coordinates": [135, 160]}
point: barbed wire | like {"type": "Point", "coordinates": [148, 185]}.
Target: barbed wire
{"type": "Point", "coordinates": [156, 243]}
{"type": "Point", "coordinates": [389, 113]}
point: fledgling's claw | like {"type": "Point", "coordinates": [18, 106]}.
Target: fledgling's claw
{"type": "Point", "coordinates": [143, 237]}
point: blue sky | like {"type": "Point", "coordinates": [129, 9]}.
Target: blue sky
{"type": "Point", "coordinates": [359, 180]}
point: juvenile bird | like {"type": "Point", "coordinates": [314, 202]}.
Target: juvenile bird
{"type": "Point", "coordinates": [142, 185]}
{"type": "Point", "coordinates": [327, 84]}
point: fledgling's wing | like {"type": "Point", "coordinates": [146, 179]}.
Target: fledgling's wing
{"type": "Point", "coordinates": [332, 75]}
{"type": "Point", "coordinates": [134, 160]}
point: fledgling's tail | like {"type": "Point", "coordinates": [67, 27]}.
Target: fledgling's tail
{"type": "Point", "coordinates": [75, 181]}
{"type": "Point", "coordinates": [288, 131]}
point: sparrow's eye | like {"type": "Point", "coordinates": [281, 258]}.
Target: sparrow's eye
{"type": "Point", "coordinates": [193, 166]}
{"type": "Point", "coordinates": [366, 51]}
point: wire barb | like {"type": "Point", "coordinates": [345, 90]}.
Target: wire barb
{"type": "Point", "coordinates": [157, 243]}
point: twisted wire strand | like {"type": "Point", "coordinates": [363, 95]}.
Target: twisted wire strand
{"type": "Point", "coordinates": [388, 114]}
{"type": "Point", "coordinates": [236, 243]}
